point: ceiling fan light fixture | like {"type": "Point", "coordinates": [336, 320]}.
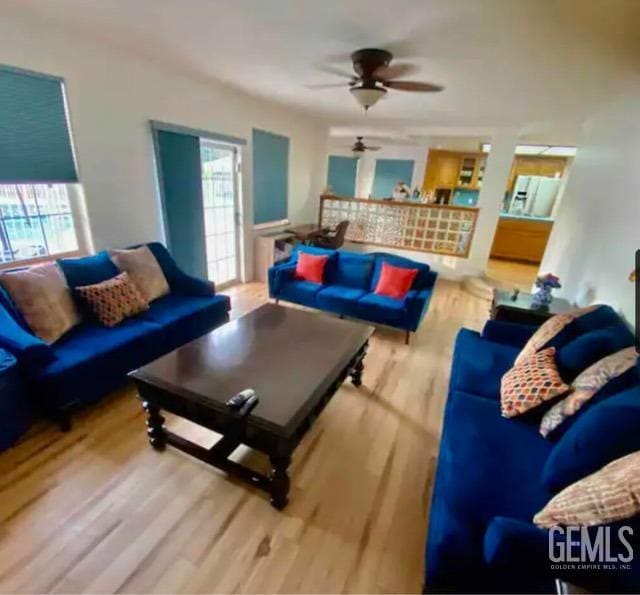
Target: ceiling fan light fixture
{"type": "Point", "coordinates": [367, 96]}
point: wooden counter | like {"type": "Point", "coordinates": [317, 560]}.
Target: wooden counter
{"type": "Point", "coordinates": [521, 239]}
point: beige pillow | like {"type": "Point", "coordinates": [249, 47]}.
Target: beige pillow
{"type": "Point", "coordinates": [143, 269]}
{"type": "Point", "coordinates": [608, 495]}
{"type": "Point", "coordinates": [44, 299]}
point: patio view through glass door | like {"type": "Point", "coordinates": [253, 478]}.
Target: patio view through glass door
{"type": "Point", "coordinates": [221, 214]}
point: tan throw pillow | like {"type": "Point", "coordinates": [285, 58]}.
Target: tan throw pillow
{"type": "Point", "coordinates": [44, 299]}
{"type": "Point", "coordinates": [549, 329]}
{"type": "Point", "coordinates": [530, 383]}
{"type": "Point", "coordinates": [114, 300]}
{"type": "Point", "coordinates": [144, 271]}
{"type": "Point", "coordinates": [608, 495]}
{"type": "Point", "coordinates": [586, 385]}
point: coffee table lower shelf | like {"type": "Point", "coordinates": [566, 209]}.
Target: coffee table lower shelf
{"type": "Point", "coordinates": [236, 431]}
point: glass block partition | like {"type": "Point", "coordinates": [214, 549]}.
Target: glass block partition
{"type": "Point", "coordinates": [440, 229]}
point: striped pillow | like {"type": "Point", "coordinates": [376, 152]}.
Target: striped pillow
{"type": "Point", "coordinates": [586, 385]}
{"type": "Point", "coordinates": [608, 495]}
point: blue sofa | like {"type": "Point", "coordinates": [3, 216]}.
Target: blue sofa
{"type": "Point", "coordinates": [494, 474]}
{"type": "Point", "coordinates": [93, 360]}
{"type": "Point", "coordinates": [349, 281]}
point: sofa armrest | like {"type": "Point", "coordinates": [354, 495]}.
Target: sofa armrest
{"type": "Point", "coordinates": [416, 303]}
{"type": "Point", "coordinates": [510, 543]}
{"type": "Point", "coordinates": [430, 279]}
{"type": "Point", "coordinates": [508, 333]}
{"type": "Point", "coordinates": [278, 275]}
{"type": "Point", "coordinates": [27, 348]}
{"type": "Point", "coordinates": [179, 281]}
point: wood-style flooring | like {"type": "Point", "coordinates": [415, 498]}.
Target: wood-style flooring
{"type": "Point", "coordinates": [96, 510]}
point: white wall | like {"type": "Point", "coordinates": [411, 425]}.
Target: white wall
{"type": "Point", "coordinates": [595, 236]}
{"type": "Point", "coordinates": [112, 96]}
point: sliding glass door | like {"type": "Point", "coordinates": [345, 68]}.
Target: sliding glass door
{"type": "Point", "coordinates": [219, 167]}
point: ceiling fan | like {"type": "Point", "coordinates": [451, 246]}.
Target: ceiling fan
{"type": "Point", "coordinates": [359, 147]}
{"type": "Point", "coordinates": [374, 74]}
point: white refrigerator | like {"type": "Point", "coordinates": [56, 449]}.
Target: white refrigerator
{"type": "Point", "coordinates": [534, 195]}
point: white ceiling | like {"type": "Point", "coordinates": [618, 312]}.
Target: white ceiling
{"type": "Point", "coordinates": [542, 65]}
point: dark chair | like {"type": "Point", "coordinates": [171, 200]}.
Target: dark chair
{"type": "Point", "coordinates": [334, 238]}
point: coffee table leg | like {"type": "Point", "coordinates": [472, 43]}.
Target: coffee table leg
{"type": "Point", "coordinates": [155, 426]}
{"type": "Point", "coordinates": [358, 368]}
{"type": "Point", "coordinates": [280, 481]}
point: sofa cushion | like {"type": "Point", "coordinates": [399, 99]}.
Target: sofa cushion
{"type": "Point", "coordinates": [311, 267]}
{"type": "Point", "coordinates": [605, 432]}
{"type": "Point", "coordinates": [478, 364]}
{"type": "Point", "coordinates": [530, 383]}
{"type": "Point", "coordinates": [380, 308]}
{"type": "Point", "coordinates": [587, 385]}
{"type": "Point", "coordinates": [486, 467]}
{"type": "Point", "coordinates": [395, 282]}
{"type": "Point", "coordinates": [144, 270]}
{"type": "Point", "coordinates": [423, 279]}
{"type": "Point", "coordinates": [95, 356]}
{"type": "Point", "coordinates": [300, 292]}
{"type": "Point", "coordinates": [354, 270]}
{"type": "Point", "coordinates": [585, 350]}
{"type": "Point", "coordinates": [339, 299]}
{"type": "Point", "coordinates": [88, 270]}
{"type": "Point", "coordinates": [184, 318]}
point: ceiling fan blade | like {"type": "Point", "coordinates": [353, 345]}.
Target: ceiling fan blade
{"type": "Point", "coordinates": [394, 71]}
{"type": "Point", "coordinates": [342, 84]}
{"type": "Point", "coordinates": [413, 86]}
{"type": "Point", "coordinates": [368, 148]}
{"type": "Point", "coordinates": [328, 69]}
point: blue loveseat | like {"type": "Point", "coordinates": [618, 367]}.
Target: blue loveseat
{"type": "Point", "coordinates": [494, 474]}
{"type": "Point", "coordinates": [349, 281]}
{"type": "Point", "coordinates": [93, 360]}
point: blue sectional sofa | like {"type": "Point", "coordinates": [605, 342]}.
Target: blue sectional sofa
{"type": "Point", "coordinates": [494, 474]}
{"type": "Point", "coordinates": [93, 360]}
{"type": "Point", "coordinates": [348, 289]}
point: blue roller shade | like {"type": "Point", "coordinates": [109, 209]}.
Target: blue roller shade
{"type": "Point", "coordinates": [270, 177]}
{"type": "Point", "coordinates": [180, 178]}
{"type": "Point", "coordinates": [35, 145]}
{"type": "Point", "coordinates": [342, 175]}
{"type": "Point", "coordinates": [388, 173]}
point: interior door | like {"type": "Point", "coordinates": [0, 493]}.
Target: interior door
{"type": "Point", "coordinates": [219, 166]}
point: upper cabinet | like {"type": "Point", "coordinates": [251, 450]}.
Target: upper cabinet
{"type": "Point", "coordinates": [524, 165]}
{"type": "Point", "coordinates": [448, 170]}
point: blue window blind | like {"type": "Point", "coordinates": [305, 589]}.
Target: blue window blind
{"type": "Point", "coordinates": [342, 175]}
{"type": "Point", "coordinates": [270, 177]}
{"type": "Point", "coordinates": [388, 173]}
{"type": "Point", "coordinates": [35, 145]}
{"type": "Point", "coordinates": [180, 178]}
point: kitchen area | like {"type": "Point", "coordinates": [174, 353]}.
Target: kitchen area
{"type": "Point", "coordinates": [532, 193]}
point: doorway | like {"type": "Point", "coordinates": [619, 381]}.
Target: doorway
{"type": "Point", "coordinates": [221, 205]}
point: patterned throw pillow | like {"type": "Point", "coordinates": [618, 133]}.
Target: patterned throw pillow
{"type": "Point", "coordinates": [586, 385]}
{"type": "Point", "coordinates": [530, 383]}
{"type": "Point", "coordinates": [608, 495]}
{"type": "Point", "coordinates": [44, 299]}
{"type": "Point", "coordinates": [143, 270]}
{"type": "Point", "coordinates": [114, 300]}
{"type": "Point", "coordinates": [549, 329]}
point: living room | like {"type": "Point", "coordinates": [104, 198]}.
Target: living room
{"type": "Point", "coordinates": [177, 143]}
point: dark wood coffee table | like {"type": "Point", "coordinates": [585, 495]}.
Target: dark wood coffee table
{"type": "Point", "coordinates": [294, 360]}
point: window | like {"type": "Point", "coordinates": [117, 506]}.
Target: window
{"type": "Point", "coordinates": [36, 220]}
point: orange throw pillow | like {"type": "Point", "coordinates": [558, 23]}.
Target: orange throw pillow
{"type": "Point", "coordinates": [395, 282]}
{"type": "Point", "coordinates": [310, 267]}
{"type": "Point", "coordinates": [114, 300]}
{"type": "Point", "coordinates": [530, 383]}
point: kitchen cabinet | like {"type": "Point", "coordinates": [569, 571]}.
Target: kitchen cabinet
{"type": "Point", "coordinates": [521, 238]}
{"type": "Point", "coordinates": [534, 165]}
{"type": "Point", "coordinates": [448, 170]}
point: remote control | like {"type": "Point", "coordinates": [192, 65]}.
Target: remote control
{"type": "Point", "coordinates": [237, 401]}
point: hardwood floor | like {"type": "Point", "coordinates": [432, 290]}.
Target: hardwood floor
{"type": "Point", "coordinates": [509, 274]}
{"type": "Point", "coordinates": [96, 510]}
